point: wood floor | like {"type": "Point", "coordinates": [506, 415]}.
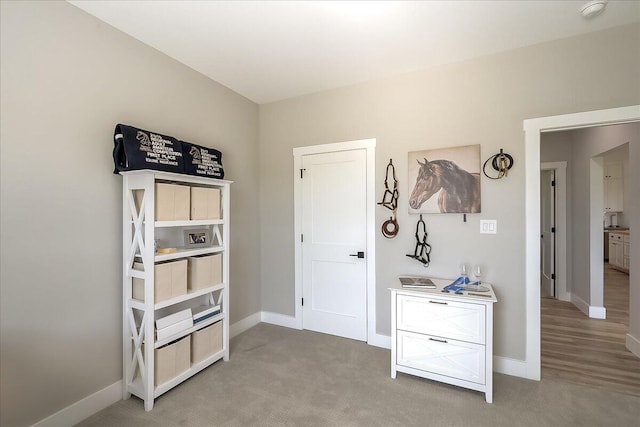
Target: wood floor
{"type": "Point", "coordinates": [588, 351]}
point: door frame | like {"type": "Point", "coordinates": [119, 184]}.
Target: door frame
{"type": "Point", "coordinates": [369, 146]}
{"type": "Point", "coordinates": [561, 228]}
{"type": "Point", "coordinates": [532, 129]}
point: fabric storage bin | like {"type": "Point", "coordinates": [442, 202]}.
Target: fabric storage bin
{"type": "Point", "coordinates": [204, 271]}
{"type": "Point", "coordinates": [206, 342]}
{"type": "Point", "coordinates": [205, 203]}
{"type": "Point", "coordinates": [172, 202]}
{"type": "Point", "coordinates": [172, 360]}
{"type": "Point", "coordinates": [170, 280]}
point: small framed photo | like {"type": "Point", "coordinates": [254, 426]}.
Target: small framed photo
{"type": "Point", "coordinates": [197, 238]}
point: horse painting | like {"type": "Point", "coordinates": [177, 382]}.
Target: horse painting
{"type": "Point", "coordinates": [460, 189]}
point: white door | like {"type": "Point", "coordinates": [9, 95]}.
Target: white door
{"type": "Point", "coordinates": [334, 229]}
{"type": "Point", "coordinates": [547, 227]}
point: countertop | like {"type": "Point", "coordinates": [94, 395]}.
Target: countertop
{"type": "Point", "coordinates": [489, 296]}
{"type": "Point", "coordinates": [618, 230]}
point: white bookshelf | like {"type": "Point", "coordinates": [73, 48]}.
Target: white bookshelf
{"type": "Point", "coordinates": [139, 316]}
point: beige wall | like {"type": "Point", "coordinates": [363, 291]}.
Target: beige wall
{"type": "Point", "coordinates": [482, 101]}
{"type": "Point", "coordinates": [67, 79]}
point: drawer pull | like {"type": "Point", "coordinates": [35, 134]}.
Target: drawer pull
{"type": "Point", "coordinates": [438, 302]}
{"type": "Point", "coordinates": [442, 341]}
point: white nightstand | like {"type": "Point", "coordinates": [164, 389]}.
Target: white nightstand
{"type": "Point", "coordinates": [444, 336]}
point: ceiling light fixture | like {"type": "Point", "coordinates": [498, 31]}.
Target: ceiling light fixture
{"type": "Point", "coordinates": [593, 8]}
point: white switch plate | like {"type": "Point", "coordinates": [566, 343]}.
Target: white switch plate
{"type": "Point", "coordinates": [488, 226]}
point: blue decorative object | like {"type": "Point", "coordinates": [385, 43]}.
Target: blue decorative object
{"type": "Point", "coordinates": [457, 285]}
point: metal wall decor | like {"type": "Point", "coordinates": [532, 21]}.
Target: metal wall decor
{"type": "Point", "coordinates": [423, 249]}
{"type": "Point", "coordinates": [390, 201]}
{"type": "Point", "coordinates": [500, 162]}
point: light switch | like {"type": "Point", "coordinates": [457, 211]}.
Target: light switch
{"type": "Point", "coordinates": [488, 226]}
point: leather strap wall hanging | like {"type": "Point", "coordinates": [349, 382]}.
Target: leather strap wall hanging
{"type": "Point", "coordinates": [390, 201]}
{"type": "Point", "coordinates": [500, 162]}
{"type": "Point", "coordinates": [423, 249]}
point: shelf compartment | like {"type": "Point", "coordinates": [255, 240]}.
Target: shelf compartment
{"type": "Point", "coordinates": [196, 327]}
{"type": "Point", "coordinates": [170, 280]}
{"type": "Point", "coordinates": [195, 368]}
{"type": "Point", "coordinates": [136, 388]}
{"type": "Point", "coordinates": [183, 253]}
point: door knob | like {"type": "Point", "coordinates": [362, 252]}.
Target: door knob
{"type": "Point", "coordinates": [359, 254]}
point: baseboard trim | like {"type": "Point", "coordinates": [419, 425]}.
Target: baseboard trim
{"type": "Point", "coordinates": [593, 311]}
{"type": "Point", "coordinates": [633, 345]}
{"type": "Point", "coordinates": [279, 319]}
{"type": "Point", "coordinates": [84, 408]}
{"type": "Point", "coordinates": [377, 340]}
{"type": "Point", "coordinates": [597, 312]}
{"type": "Point", "coordinates": [565, 296]}
{"type": "Point", "coordinates": [508, 366]}
{"type": "Point", "coordinates": [580, 304]}
{"type": "Point", "coordinates": [242, 325]}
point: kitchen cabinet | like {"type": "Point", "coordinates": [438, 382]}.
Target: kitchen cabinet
{"type": "Point", "coordinates": [613, 187]}
{"type": "Point", "coordinates": [626, 246]}
{"type": "Point", "coordinates": [613, 170]}
{"type": "Point", "coordinates": [619, 247]}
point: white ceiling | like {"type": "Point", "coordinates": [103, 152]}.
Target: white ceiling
{"type": "Point", "coordinates": [270, 50]}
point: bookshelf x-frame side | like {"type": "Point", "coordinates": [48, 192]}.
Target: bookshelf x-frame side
{"type": "Point", "coordinates": [136, 242]}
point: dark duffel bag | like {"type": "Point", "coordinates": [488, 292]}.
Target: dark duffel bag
{"type": "Point", "coordinates": [140, 149]}
{"type": "Point", "coordinates": [202, 161]}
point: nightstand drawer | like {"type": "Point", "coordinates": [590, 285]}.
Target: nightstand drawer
{"type": "Point", "coordinates": [442, 318]}
{"type": "Point", "coordinates": [456, 359]}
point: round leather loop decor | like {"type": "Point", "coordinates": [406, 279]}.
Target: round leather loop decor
{"type": "Point", "coordinates": [390, 228]}
{"type": "Point", "coordinates": [502, 161]}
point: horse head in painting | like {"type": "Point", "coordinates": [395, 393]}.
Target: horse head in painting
{"type": "Point", "coordinates": [460, 189]}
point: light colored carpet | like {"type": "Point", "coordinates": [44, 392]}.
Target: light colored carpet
{"type": "Point", "coordinates": [284, 377]}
